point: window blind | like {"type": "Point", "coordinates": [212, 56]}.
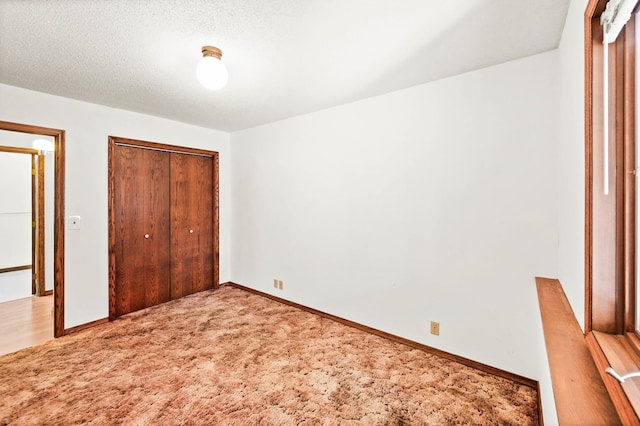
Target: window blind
{"type": "Point", "coordinates": [615, 16]}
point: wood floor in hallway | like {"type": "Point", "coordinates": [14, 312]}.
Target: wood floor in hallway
{"type": "Point", "coordinates": [25, 322]}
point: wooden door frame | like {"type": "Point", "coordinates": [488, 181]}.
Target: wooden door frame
{"type": "Point", "coordinates": [37, 246]}
{"type": "Point", "coordinates": [39, 229]}
{"type": "Point", "coordinates": [113, 140]}
{"type": "Point", "coordinates": [58, 220]}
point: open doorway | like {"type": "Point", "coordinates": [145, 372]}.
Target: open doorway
{"type": "Point", "coordinates": [47, 224]}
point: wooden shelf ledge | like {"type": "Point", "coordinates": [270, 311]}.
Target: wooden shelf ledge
{"type": "Point", "coordinates": [580, 395]}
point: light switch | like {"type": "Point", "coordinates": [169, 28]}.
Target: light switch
{"type": "Point", "coordinates": [74, 222]}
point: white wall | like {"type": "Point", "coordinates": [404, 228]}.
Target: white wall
{"type": "Point", "coordinates": [15, 224]}
{"type": "Point", "coordinates": [87, 128]}
{"type": "Point", "coordinates": [571, 159]}
{"type": "Point", "coordinates": [15, 210]}
{"type": "Point", "coordinates": [15, 285]}
{"type": "Point", "coordinates": [437, 202]}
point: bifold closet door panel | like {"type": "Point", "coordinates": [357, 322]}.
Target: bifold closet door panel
{"type": "Point", "coordinates": [191, 224]}
{"type": "Point", "coordinates": [141, 216]}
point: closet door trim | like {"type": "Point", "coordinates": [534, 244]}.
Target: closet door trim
{"type": "Point", "coordinates": [152, 148]}
{"type": "Point", "coordinates": [113, 142]}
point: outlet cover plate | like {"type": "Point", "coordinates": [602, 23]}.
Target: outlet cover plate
{"type": "Point", "coordinates": [435, 328]}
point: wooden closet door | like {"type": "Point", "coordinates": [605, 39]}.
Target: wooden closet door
{"type": "Point", "coordinates": [141, 216]}
{"type": "Point", "coordinates": [191, 224]}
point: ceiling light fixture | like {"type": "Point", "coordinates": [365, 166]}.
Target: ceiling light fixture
{"type": "Point", "coordinates": [211, 72]}
{"type": "Point", "coordinates": [43, 145]}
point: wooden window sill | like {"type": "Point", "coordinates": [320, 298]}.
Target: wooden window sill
{"type": "Point", "coordinates": [578, 388]}
{"type": "Point", "coordinates": [610, 350]}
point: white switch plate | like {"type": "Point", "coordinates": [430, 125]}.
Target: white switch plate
{"type": "Point", "coordinates": [75, 222]}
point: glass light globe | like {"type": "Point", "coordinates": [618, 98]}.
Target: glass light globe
{"type": "Point", "coordinates": [212, 73]}
{"type": "Point", "coordinates": [43, 145]}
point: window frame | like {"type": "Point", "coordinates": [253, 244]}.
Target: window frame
{"type": "Point", "coordinates": [610, 220]}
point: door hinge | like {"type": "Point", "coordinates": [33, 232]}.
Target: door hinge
{"type": "Point", "coordinates": [33, 224]}
{"type": "Point", "coordinates": [33, 172]}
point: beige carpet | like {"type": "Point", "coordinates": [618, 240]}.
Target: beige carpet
{"type": "Point", "coordinates": [230, 357]}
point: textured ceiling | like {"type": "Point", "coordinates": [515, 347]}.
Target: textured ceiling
{"type": "Point", "coordinates": [285, 57]}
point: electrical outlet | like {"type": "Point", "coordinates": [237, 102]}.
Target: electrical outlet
{"type": "Point", "coordinates": [280, 284]}
{"type": "Point", "coordinates": [275, 283]}
{"type": "Point", "coordinates": [435, 328]}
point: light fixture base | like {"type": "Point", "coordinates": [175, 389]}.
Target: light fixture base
{"type": "Point", "coordinates": [211, 71]}
{"type": "Point", "coordinates": [211, 51]}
